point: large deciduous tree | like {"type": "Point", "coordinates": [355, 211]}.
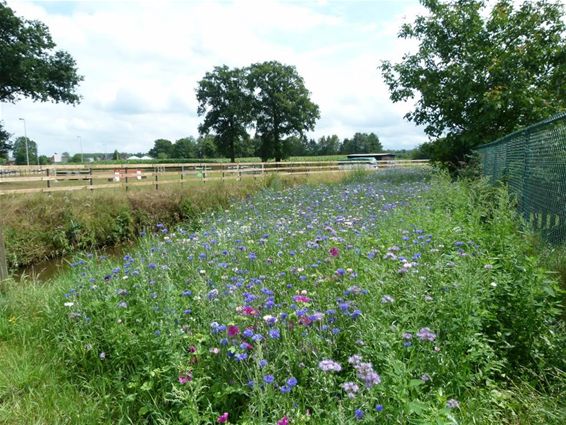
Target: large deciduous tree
{"type": "Point", "coordinates": [270, 97]}
{"type": "Point", "coordinates": [482, 70]}
{"type": "Point", "coordinates": [185, 148]}
{"type": "Point", "coordinates": [30, 67]}
{"type": "Point", "coordinates": [281, 106]}
{"type": "Point", "coordinates": [21, 153]}
{"type": "Point", "coordinates": [225, 105]}
{"type": "Point", "coordinates": [162, 149]}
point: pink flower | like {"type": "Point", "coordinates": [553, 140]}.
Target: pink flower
{"type": "Point", "coordinates": [233, 330]}
{"type": "Point", "coordinates": [301, 299]}
{"type": "Point", "coordinates": [334, 252]}
{"type": "Point", "coordinates": [247, 346]}
{"type": "Point", "coordinates": [223, 418]}
{"type": "Point", "coordinates": [185, 377]}
{"type": "Point", "coordinates": [249, 311]}
{"type": "Point", "coordinates": [283, 421]}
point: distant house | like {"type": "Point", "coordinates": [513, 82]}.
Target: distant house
{"type": "Point", "coordinates": [133, 158]}
{"type": "Point", "coordinates": [56, 158]}
{"type": "Point", "coordinates": [145, 157]}
{"type": "Point", "coordinates": [378, 156]}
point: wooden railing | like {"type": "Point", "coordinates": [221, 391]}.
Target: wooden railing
{"type": "Point", "coordinates": [54, 178]}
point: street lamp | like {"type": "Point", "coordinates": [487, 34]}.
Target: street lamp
{"type": "Point", "coordinates": [81, 143]}
{"type": "Point", "coordinates": [26, 136]}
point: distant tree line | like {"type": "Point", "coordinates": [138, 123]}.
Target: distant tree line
{"type": "Point", "coordinates": [207, 146]}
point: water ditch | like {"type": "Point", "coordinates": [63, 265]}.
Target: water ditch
{"type": "Point", "coordinates": [47, 270]}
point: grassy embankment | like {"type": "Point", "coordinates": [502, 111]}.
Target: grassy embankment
{"type": "Point", "coordinates": [262, 312]}
{"type": "Point", "coordinates": [42, 226]}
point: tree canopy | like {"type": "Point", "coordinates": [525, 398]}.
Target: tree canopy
{"type": "Point", "coordinates": [29, 65]}
{"type": "Point", "coordinates": [281, 106]}
{"type": "Point", "coordinates": [5, 145]}
{"type": "Point", "coordinates": [362, 143]}
{"type": "Point", "coordinates": [269, 97]}
{"type": "Point", "coordinates": [20, 154]}
{"type": "Point", "coordinates": [185, 147]}
{"type": "Point", "coordinates": [226, 108]}
{"type": "Point", "coordinates": [162, 149]}
{"type": "Point", "coordinates": [480, 72]}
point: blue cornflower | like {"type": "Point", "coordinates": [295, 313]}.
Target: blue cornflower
{"type": "Point", "coordinates": [379, 408]}
{"type": "Point", "coordinates": [359, 414]}
{"type": "Point", "coordinates": [355, 314]}
{"type": "Point", "coordinates": [268, 379]}
{"type": "Point", "coordinates": [262, 363]}
{"type": "Point", "coordinates": [292, 381]}
{"type": "Point", "coordinates": [285, 389]}
{"type": "Point", "coordinates": [248, 333]}
{"type": "Point", "coordinates": [274, 333]}
{"type": "Point", "coordinates": [257, 337]}
{"type": "Point", "coordinates": [241, 356]}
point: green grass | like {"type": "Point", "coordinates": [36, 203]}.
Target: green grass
{"type": "Point", "coordinates": [494, 341]}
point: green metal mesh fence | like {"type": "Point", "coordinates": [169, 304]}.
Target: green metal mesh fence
{"type": "Point", "coordinates": [532, 161]}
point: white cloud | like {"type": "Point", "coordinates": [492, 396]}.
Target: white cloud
{"type": "Point", "coordinates": [142, 60]}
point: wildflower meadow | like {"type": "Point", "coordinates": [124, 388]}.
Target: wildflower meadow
{"type": "Point", "coordinates": [382, 299]}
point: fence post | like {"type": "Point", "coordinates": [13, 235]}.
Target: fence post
{"type": "Point", "coordinates": [126, 175]}
{"type": "Point", "coordinates": [239, 172]}
{"type": "Point", "coordinates": [182, 174]}
{"type": "Point", "coordinates": [90, 178]}
{"type": "Point", "coordinates": [48, 172]}
{"type": "Point", "coordinates": [3, 261]}
{"type": "Point", "coordinates": [526, 165]}
{"type": "Point", "coordinates": [156, 178]}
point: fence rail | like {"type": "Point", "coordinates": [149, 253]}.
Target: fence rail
{"type": "Point", "coordinates": [532, 161]}
{"type": "Point", "coordinates": [56, 178]}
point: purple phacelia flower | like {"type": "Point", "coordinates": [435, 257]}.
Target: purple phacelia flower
{"type": "Point", "coordinates": [329, 366]}
{"type": "Point", "coordinates": [453, 404]}
{"type": "Point", "coordinates": [351, 388]}
{"type": "Point", "coordinates": [425, 334]}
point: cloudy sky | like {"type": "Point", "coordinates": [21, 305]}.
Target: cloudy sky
{"type": "Point", "coordinates": [142, 60]}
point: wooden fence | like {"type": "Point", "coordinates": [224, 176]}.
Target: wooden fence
{"type": "Point", "coordinates": [56, 178]}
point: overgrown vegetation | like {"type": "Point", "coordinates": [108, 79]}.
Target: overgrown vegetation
{"type": "Point", "coordinates": [42, 226]}
{"type": "Point", "coordinates": [389, 300]}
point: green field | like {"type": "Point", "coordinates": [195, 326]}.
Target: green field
{"type": "Point", "coordinates": [401, 298]}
